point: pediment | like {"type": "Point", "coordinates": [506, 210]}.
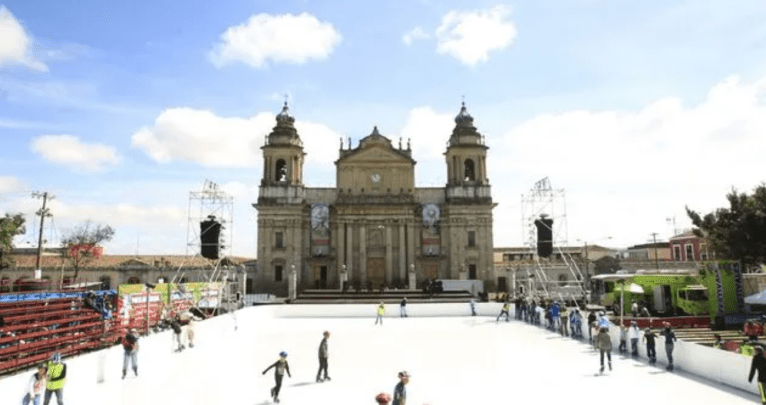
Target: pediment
{"type": "Point", "coordinates": [375, 153]}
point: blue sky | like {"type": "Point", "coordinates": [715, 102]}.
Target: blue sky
{"type": "Point", "coordinates": [635, 108]}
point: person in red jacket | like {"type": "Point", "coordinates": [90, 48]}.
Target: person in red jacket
{"type": "Point", "coordinates": [130, 344]}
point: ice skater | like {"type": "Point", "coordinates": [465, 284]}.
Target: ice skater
{"type": "Point", "coordinates": [649, 338]}
{"type": "Point", "coordinates": [759, 363]}
{"type": "Point", "coordinates": [280, 367]}
{"type": "Point", "coordinates": [400, 391]}
{"type": "Point", "coordinates": [381, 312]}
{"type": "Point", "coordinates": [634, 334]}
{"type": "Point", "coordinates": [504, 311]}
{"type": "Point", "coordinates": [383, 398]}
{"type": "Point", "coordinates": [623, 339]}
{"type": "Point", "coordinates": [604, 342]}
{"type": "Point", "coordinates": [473, 307]}
{"type": "Point", "coordinates": [403, 308]}
{"type": "Point", "coordinates": [36, 386]}
{"type": "Point", "coordinates": [324, 354]}
{"type": "Point", "coordinates": [130, 344]}
{"type": "Point", "coordinates": [190, 332]}
{"type": "Point", "coordinates": [670, 337]}
{"type": "Point", "coordinates": [175, 323]}
{"type": "Point", "coordinates": [56, 370]}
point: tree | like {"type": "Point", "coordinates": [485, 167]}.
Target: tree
{"type": "Point", "coordinates": [10, 226]}
{"type": "Point", "coordinates": [83, 242]}
{"type": "Point", "coordinates": [737, 232]}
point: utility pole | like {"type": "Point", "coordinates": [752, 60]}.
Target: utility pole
{"type": "Point", "coordinates": [42, 212]}
{"type": "Point", "coordinates": [656, 262]}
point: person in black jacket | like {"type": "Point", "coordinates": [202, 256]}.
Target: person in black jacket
{"type": "Point", "coordinates": [175, 323]}
{"type": "Point", "coordinates": [759, 363]}
{"type": "Point", "coordinates": [280, 367]}
{"type": "Point", "coordinates": [323, 355]}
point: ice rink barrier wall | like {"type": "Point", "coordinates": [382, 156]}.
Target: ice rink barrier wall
{"type": "Point", "coordinates": [715, 365]}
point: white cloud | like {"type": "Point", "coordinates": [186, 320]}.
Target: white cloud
{"type": "Point", "coordinates": [627, 171]}
{"type": "Point", "coordinates": [286, 38]}
{"type": "Point", "coordinates": [414, 34]}
{"type": "Point", "coordinates": [471, 36]}
{"type": "Point", "coordinates": [10, 185]}
{"type": "Point", "coordinates": [202, 137]}
{"type": "Point", "coordinates": [69, 150]}
{"type": "Point", "coordinates": [16, 44]}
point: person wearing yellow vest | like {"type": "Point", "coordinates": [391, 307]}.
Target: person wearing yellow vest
{"type": "Point", "coordinates": [56, 379]}
{"type": "Point", "coordinates": [381, 312]}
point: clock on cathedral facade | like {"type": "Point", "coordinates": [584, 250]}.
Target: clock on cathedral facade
{"type": "Point", "coordinates": [375, 227]}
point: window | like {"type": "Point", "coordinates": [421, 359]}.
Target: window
{"type": "Point", "coordinates": [469, 174]}
{"type": "Point", "coordinates": [676, 252]}
{"type": "Point", "coordinates": [471, 238]}
{"type": "Point", "coordinates": [472, 272]}
{"type": "Point", "coordinates": [563, 279]}
{"type": "Point", "coordinates": [281, 172]}
{"type": "Point", "coordinates": [278, 272]}
{"type": "Point", "coordinates": [689, 253]}
{"type": "Point", "coordinates": [278, 240]}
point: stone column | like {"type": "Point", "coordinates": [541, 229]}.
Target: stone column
{"type": "Point", "coordinates": [389, 255]}
{"type": "Point", "coordinates": [410, 244]}
{"type": "Point", "coordinates": [402, 253]}
{"type": "Point", "coordinates": [340, 251]}
{"type": "Point", "coordinates": [363, 252]}
{"type": "Point", "coordinates": [349, 251]}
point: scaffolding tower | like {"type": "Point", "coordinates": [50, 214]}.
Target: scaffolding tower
{"type": "Point", "coordinates": [212, 203]}
{"type": "Point", "coordinates": [543, 201]}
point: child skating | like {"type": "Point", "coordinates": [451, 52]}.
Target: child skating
{"type": "Point", "coordinates": [381, 312]}
{"type": "Point", "coordinates": [280, 367]}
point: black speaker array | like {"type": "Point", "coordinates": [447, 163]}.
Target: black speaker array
{"type": "Point", "coordinates": [210, 237]}
{"type": "Point", "coordinates": [544, 236]}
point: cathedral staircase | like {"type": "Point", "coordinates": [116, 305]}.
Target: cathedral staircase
{"type": "Point", "coordinates": [320, 296]}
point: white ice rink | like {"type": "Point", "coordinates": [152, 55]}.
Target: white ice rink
{"type": "Point", "coordinates": [453, 360]}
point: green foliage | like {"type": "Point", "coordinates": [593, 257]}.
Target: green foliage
{"type": "Point", "coordinates": [10, 226]}
{"type": "Point", "coordinates": [737, 232]}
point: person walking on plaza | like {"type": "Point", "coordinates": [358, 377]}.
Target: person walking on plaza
{"type": "Point", "coordinates": [130, 344]}
{"type": "Point", "coordinates": [56, 378]}
{"type": "Point", "coordinates": [604, 343]}
{"type": "Point", "coordinates": [36, 386]}
{"type": "Point", "coordinates": [649, 338]}
{"type": "Point", "coordinates": [403, 308]}
{"type": "Point", "coordinates": [670, 337]}
{"type": "Point", "coordinates": [759, 363]}
{"type": "Point", "coordinates": [381, 312]}
{"type": "Point", "coordinates": [504, 311]}
{"type": "Point", "coordinates": [634, 333]}
{"type": "Point", "coordinates": [280, 367]}
{"type": "Point", "coordinates": [400, 391]}
{"type": "Point", "coordinates": [323, 355]}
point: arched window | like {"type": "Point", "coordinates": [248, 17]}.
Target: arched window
{"type": "Point", "coordinates": [563, 279]}
{"type": "Point", "coordinates": [470, 173]}
{"type": "Point", "coordinates": [134, 280]}
{"type": "Point", "coordinates": [281, 172]}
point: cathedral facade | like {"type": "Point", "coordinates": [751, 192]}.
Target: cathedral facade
{"type": "Point", "coordinates": [374, 228]}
